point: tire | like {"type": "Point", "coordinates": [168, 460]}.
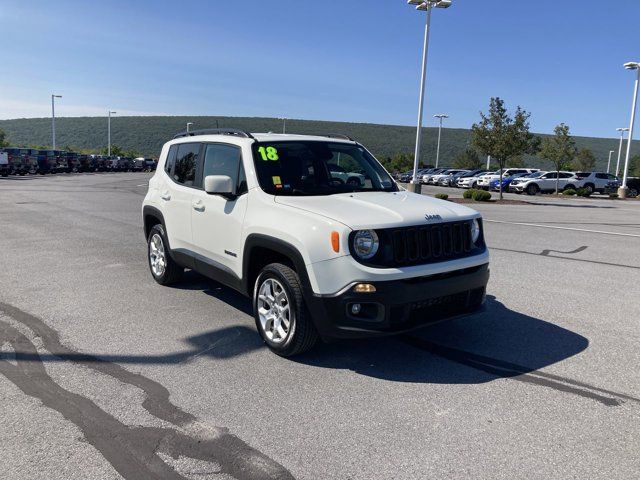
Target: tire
{"type": "Point", "coordinates": [590, 187]}
{"type": "Point", "coordinates": [632, 193]}
{"type": "Point", "coordinates": [533, 189]}
{"type": "Point", "coordinates": [278, 286]}
{"type": "Point", "coordinates": [569, 187]}
{"type": "Point", "coordinates": [164, 269]}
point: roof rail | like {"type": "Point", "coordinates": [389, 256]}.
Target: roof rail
{"type": "Point", "coordinates": [214, 131]}
{"type": "Point", "coordinates": [337, 135]}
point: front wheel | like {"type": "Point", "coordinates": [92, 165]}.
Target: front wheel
{"type": "Point", "coordinates": [533, 189]}
{"type": "Point", "coordinates": [163, 268]}
{"type": "Point", "coordinates": [280, 313]}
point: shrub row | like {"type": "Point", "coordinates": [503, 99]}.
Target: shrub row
{"type": "Point", "coordinates": [477, 195]}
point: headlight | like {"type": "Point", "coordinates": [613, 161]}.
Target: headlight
{"type": "Point", "coordinates": [365, 244]}
{"type": "Point", "coordinates": [475, 230]}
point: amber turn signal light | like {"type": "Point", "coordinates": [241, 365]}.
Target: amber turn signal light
{"type": "Point", "coordinates": [335, 241]}
{"type": "Point", "coordinates": [364, 288]}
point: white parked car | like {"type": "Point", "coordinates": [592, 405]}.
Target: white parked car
{"type": "Point", "coordinates": [427, 177]}
{"type": "Point", "coordinates": [595, 181]}
{"type": "Point", "coordinates": [320, 259]}
{"type": "Point", "coordinates": [484, 181]}
{"type": "Point", "coordinates": [350, 178]}
{"type": "Point", "coordinates": [547, 183]}
{"type": "Point", "coordinates": [514, 183]}
{"type": "Point", "coordinates": [469, 180]}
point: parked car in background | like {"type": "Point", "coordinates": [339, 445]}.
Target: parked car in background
{"type": "Point", "coordinates": [470, 180]}
{"type": "Point", "coordinates": [4, 163]}
{"type": "Point", "coordinates": [633, 184]}
{"type": "Point", "coordinates": [350, 178]}
{"type": "Point", "coordinates": [15, 160]}
{"type": "Point", "coordinates": [150, 165]}
{"type": "Point", "coordinates": [484, 181]}
{"type": "Point", "coordinates": [445, 180]}
{"type": "Point", "coordinates": [73, 162]}
{"type": "Point", "coordinates": [595, 181]}
{"type": "Point", "coordinates": [547, 183]}
{"type": "Point", "coordinates": [514, 182]}
{"type": "Point", "coordinates": [407, 176]}
{"type": "Point", "coordinates": [427, 177]}
{"type": "Point", "coordinates": [506, 181]}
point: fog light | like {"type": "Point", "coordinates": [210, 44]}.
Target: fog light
{"type": "Point", "coordinates": [364, 288]}
{"type": "Point", "coordinates": [355, 308]}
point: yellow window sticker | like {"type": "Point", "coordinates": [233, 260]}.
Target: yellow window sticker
{"type": "Point", "coordinates": [276, 180]}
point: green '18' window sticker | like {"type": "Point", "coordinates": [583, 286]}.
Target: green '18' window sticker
{"type": "Point", "coordinates": [269, 153]}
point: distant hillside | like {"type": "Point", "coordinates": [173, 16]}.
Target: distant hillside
{"type": "Point", "coordinates": [147, 134]}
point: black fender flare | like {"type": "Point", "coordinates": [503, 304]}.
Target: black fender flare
{"type": "Point", "coordinates": [279, 246]}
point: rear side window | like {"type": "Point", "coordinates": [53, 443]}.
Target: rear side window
{"type": "Point", "coordinates": [171, 160]}
{"type": "Point", "coordinates": [601, 176]}
{"type": "Point", "coordinates": [226, 160]}
{"type": "Point", "coordinates": [184, 171]}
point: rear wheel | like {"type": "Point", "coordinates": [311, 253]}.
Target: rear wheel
{"type": "Point", "coordinates": [589, 187]}
{"type": "Point", "coordinates": [163, 268]}
{"type": "Point", "coordinates": [281, 316]}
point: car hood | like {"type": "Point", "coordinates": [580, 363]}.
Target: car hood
{"type": "Point", "coordinates": [361, 210]}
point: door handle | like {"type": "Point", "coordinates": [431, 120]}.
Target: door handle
{"type": "Point", "coordinates": [198, 206]}
{"type": "Point", "coordinates": [165, 196]}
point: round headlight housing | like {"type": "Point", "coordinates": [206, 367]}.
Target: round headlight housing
{"type": "Point", "coordinates": [475, 230]}
{"type": "Point", "coordinates": [365, 244]}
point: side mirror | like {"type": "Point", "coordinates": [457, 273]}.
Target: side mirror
{"type": "Point", "coordinates": [218, 184]}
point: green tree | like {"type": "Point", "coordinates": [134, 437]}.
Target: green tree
{"type": "Point", "coordinates": [560, 149]}
{"type": "Point", "coordinates": [401, 162]}
{"type": "Point", "coordinates": [116, 151]}
{"type": "Point", "coordinates": [468, 159]}
{"type": "Point", "coordinates": [131, 154]}
{"type": "Point", "coordinates": [3, 139]}
{"type": "Point", "coordinates": [585, 160]}
{"type": "Point", "coordinates": [634, 166]}
{"type": "Point", "coordinates": [502, 136]}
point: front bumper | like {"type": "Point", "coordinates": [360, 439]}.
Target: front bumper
{"type": "Point", "coordinates": [400, 305]}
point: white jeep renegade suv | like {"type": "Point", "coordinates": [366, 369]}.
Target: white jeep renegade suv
{"type": "Point", "coordinates": [320, 257]}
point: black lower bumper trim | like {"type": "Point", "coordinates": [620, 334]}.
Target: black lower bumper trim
{"type": "Point", "coordinates": [398, 306]}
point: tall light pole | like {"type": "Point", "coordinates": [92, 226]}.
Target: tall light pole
{"type": "Point", "coordinates": [414, 186]}
{"type": "Point", "coordinates": [609, 161]}
{"type": "Point", "coordinates": [621, 130]}
{"type": "Point", "coordinates": [53, 118]}
{"type": "Point", "coordinates": [440, 116]}
{"type": "Point", "coordinates": [109, 133]}
{"type": "Point", "coordinates": [189, 125]}
{"type": "Point", "coordinates": [622, 191]}
{"type": "Point", "coordinates": [284, 125]}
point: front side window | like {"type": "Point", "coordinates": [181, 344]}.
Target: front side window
{"type": "Point", "coordinates": [184, 171]}
{"type": "Point", "coordinates": [318, 168]}
{"type": "Point", "coordinates": [226, 160]}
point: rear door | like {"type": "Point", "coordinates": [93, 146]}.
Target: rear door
{"type": "Point", "coordinates": [176, 194]}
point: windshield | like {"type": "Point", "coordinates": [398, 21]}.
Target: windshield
{"type": "Point", "coordinates": [318, 168]}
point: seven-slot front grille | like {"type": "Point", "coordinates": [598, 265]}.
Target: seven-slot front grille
{"type": "Point", "coordinates": [431, 243]}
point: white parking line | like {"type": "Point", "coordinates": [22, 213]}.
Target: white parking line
{"type": "Point", "coordinates": [142, 185]}
{"type": "Point", "coordinates": [565, 228]}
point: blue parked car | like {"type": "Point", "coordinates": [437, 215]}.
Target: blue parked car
{"type": "Point", "coordinates": [495, 184]}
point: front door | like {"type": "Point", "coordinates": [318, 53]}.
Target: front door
{"type": "Point", "coordinates": [217, 220]}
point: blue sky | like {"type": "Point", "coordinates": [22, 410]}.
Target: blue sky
{"type": "Point", "coordinates": [347, 60]}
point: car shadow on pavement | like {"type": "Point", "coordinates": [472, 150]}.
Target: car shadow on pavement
{"type": "Point", "coordinates": [496, 342]}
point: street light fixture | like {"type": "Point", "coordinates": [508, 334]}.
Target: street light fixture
{"type": "Point", "coordinates": [440, 116]}
{"type": "Point", "coordinates": [188, 125]}
{"type": "Point", "coordinates": [109, 133]}
{"type": "Point", "coordinates": [53, 118]}
{"type": "Point", "coordinates": [427, 6]}
{"type": "Point", "coordinates": [622, 191]}
{"type": "Point", "coordinates": [609, 161]}
{"type": "Point", "coordinates": [621, 130]}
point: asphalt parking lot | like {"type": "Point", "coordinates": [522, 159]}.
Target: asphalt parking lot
{"type": "Point", "coordinates": [105, 374]}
